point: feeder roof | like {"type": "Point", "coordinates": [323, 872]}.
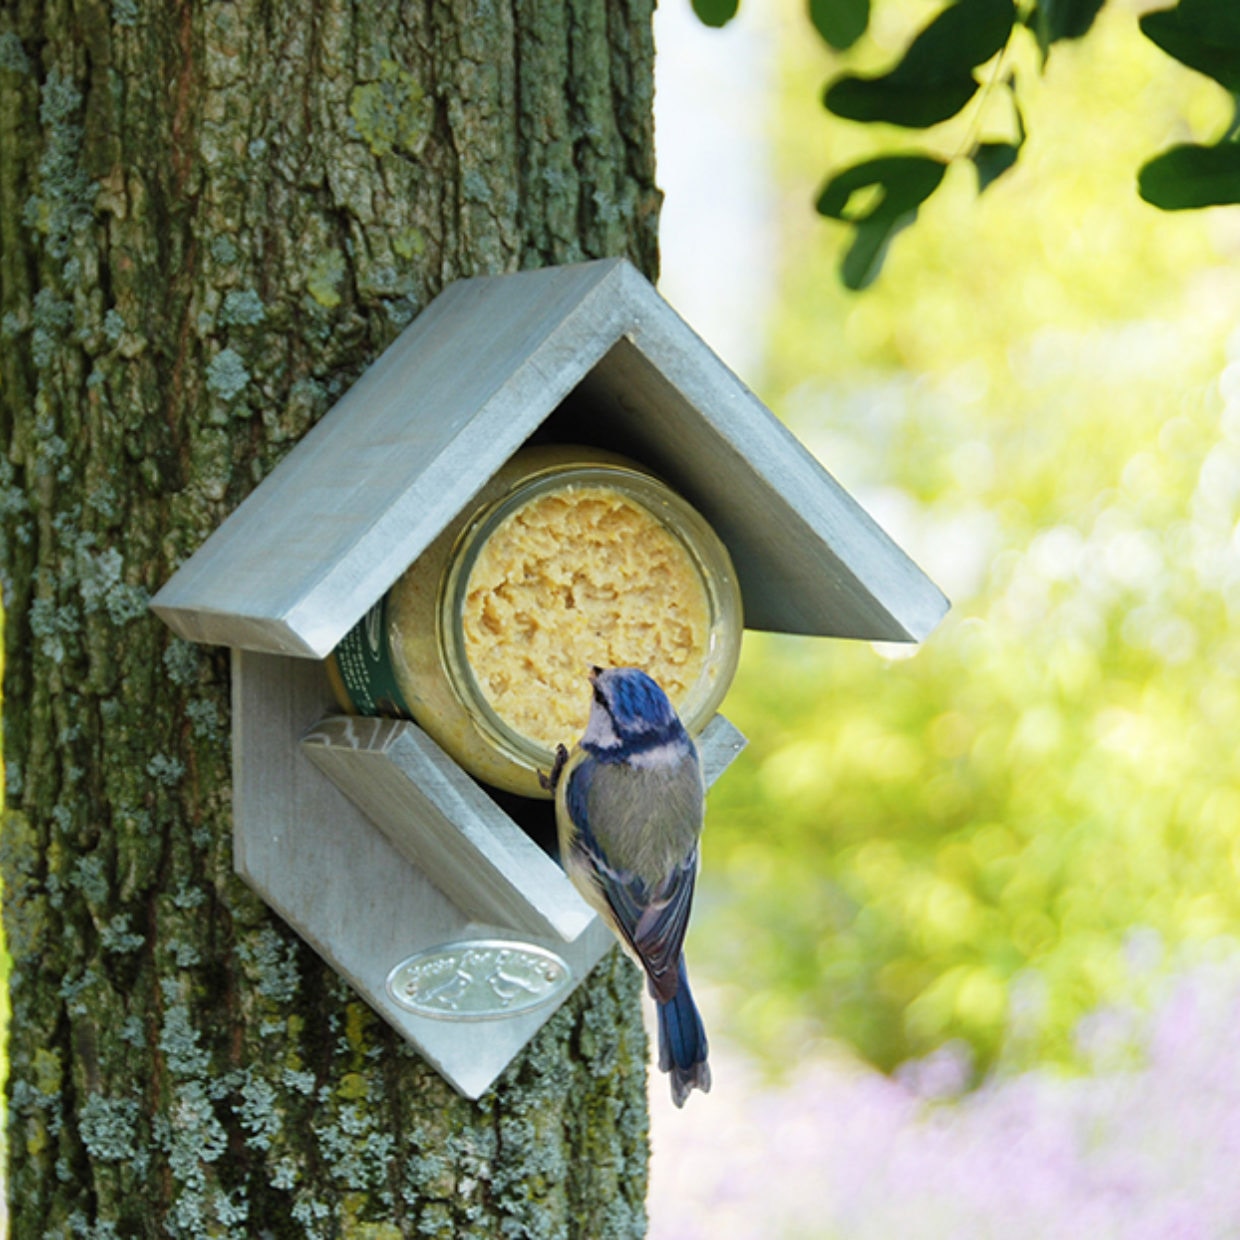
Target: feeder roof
{"type": "Point", "coordinates": [590, 354]}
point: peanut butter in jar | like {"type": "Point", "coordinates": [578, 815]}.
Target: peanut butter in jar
{"type": "Point", "coordinates": [571, 558]}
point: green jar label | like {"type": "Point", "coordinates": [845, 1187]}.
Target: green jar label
{"type": "Point", "coordinates": [364, 661]}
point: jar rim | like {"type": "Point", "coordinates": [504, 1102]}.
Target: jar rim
{"type": "Point", "coordinates": [671, 511]}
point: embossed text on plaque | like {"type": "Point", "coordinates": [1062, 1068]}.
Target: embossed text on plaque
{"type": "Point", "coordinates": [482, 979]}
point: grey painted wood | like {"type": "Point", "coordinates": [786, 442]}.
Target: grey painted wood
{"type": "Point", "coordinates": [369, 487]}
{"type": "Point", "coordinates": [341, 883]}
{"type": "Point", "coordinates": [809, 558]}
{"type": "Point", "coordinates": [443, 822]}
{"type": "Point", "coordinates": [595, 350]}
{"type": "Point", "coordinates": [719, 745]}
{"type": "Point", "coordinates": [446, 825]}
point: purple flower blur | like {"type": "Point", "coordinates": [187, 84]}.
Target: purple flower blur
{"type": "Point", "coordinates": [1142, 1147]}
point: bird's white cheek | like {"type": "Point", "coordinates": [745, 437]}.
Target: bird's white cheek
{"type": "Point", "coordinates": [599, 731]}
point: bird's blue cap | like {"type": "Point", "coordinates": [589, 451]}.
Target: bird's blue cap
{"type": "Point", "coordinates": [634, 700]}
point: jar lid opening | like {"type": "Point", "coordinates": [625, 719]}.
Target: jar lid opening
{"type": "Point", "coordinates": [651, 572]}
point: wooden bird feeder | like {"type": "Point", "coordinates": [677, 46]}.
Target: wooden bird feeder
{"type": "Point", "coordinates": [416, 882]}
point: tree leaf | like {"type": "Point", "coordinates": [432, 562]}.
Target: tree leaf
{"type": "Point", "coordinates": [1052, 20]}
{"type": "Point", "coordinates": [840, 22]}
{"type": "Point", "coordinates": [1187, 177]}
{"type": "Point", "coordinates": [934, 79]}
{"type": "Point", "coordinates": [864, 259]}
{"type": "Point", "coordinates": [963, 36]}
{"type": "Point", "coordinates": [1203, 34]}
{"type": "Point", "coordinates": [912, 105]}
{"type": "Point", "coordinates": [904, 182]}
{"type": "Point", "coordinates": [716, 12]}
{"type": "Point", "coordinates": [992, 160]}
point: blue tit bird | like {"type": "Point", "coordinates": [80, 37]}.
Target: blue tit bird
{"type": "Point", "coordinates": [629, 805]}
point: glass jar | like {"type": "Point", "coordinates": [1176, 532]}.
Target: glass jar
{"type": "Point", "coordinates": [569, 557]}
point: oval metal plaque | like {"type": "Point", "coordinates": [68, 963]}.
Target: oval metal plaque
{"type": "Point", "coordinates": [483, 979]}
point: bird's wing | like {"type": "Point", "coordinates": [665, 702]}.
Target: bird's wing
{"type": "Point", "coordinates": [650, 917]}
{"type": "Point", "coordinates": [658, 934]}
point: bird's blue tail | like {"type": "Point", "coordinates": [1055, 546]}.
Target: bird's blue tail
{"type": "Point", "coordinates": [682, 1041]}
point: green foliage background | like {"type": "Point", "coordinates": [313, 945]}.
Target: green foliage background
{"type": "Point", "coordinates": [971, 54]}
{"type": "Point", "coordinates": [1041, 400]}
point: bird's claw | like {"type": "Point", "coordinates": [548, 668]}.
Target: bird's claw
{"type": "Point", "coordinates": [548, 782]}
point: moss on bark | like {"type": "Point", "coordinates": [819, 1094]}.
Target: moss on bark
{"type": "Point", "coordinates": [212, 218]}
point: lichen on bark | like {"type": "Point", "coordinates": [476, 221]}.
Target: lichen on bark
{"type": "Point", "coordinates": [212, 218]}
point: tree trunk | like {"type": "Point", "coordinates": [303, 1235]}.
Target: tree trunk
{"type": "Point", "coordinates": [213, 217]}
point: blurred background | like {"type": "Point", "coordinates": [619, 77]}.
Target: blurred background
{"type": "Point", "coordinates": [967, 915]}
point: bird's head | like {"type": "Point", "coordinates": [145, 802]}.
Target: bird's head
{"type": "Point", "coordinates": [629, 710]}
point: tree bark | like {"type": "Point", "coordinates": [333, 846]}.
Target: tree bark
{"type": "Point", "coordinates": [213, 217]}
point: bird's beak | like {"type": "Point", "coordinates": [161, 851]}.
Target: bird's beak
{"type": "Point", "coordinates": [595, 673]}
